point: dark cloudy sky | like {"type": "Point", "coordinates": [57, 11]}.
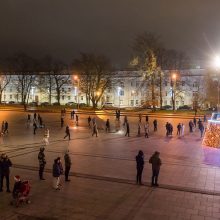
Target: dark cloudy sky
{"type": "Point", "coordinates": [63, 28]}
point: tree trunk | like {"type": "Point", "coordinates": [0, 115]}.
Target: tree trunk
{"type": "Point", "coordinates": [1, 92]}
{"type": "Point", "coordinates": [58, 95]}
{"type": "Point", "coordinates": [161, 96]}
{"type": "Point", "coordinates": [153, 92]}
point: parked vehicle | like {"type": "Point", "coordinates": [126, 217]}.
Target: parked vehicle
{"type": "Point", "coordinates": [45, 104]}
{"type": "Point", "coordinates": [167, 107]}
{"type": "Point", "coordinates": [185, 107]}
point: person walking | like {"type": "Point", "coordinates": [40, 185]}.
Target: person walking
{"type": "Point", "coordinates": [127, 130]}
{"type": "Point", "coordinates": [89, 121]}
{"type": "Point", "coordinates": [68, 163]}
{"type": "Point", "coordinates": [139, 166]}
{"type": "Point", "coordinates": [56, 174]}
{"type": "Point", "coordinates": [95, 129]}
{"type": "Point", "coordinates": [73, 114]}
{"type": "Point", "coordinates": [155, 124]}
{"type": "Point", "coordinates": [67, 132]}
{"type": "Point", "coordinates": [167, 129]}
{"type": "Point", "coordinates": [6, 128]}
{"type": "Point", "coordinates": [146, 129]}
{"type": "Point", "coordinates": [107, 126]}
{"type": "Point", "coordinates": [77, 120]}
{"type": "Point", "coordinates": [156, 163]}
{"type": "Point", "coordinates": [5, 164]}
{"type": "Point", "coordinates": [42, 162]}
{"type": "Point", "coordinates": [204, 118]}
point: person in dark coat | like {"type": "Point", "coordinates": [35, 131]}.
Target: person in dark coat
{"type": "Point", "coordinates": [155, 124]}
{"type": "Point", "coordinates": [190, 126]}
{"type": "Point", "coordinates": [42, 163]}
{"type": "Point", "coordinates": [179, 129]}
{"type": "Point", "coordinates": [140, 166]}
{"type": "Point", "coordinates": [201, 128]}
{"type": "Point", "coordinates": [6, 128]}
{"type": "Point", "coordinates": [147, 118]}
{"type": "Point", "coordinates": [68, 163]}
{"type": "Point", "coordinates": [35, 127]}
{"type": "Point", "coordinates": [89, 121]}
{"type": "Point", "coordinates": [194, 121]}
{"type": "Point", "coordinates": [156, 163]}
{"type": "Point", "coordinates": [61, 121]}
{"type": "Point", "coordinates": [127, 130]}
{"type": "Point", "coordinates": [107, 126]}
{"type": "Point", "coordinates": [56, 173]}
{"type": "Point", "coordinates": [5, 164]}
{"type": "Point", "coordinates": [67, 132]}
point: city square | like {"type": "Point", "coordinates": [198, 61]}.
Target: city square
{"type": "Point", "coordinates": [110, 110]}
{"type": "Point", "coordinates": [103, 172]}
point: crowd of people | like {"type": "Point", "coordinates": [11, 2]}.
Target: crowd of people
{"type": "Point", "coordinates": [58, 169]}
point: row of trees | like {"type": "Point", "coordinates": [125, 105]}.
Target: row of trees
{"type": "Point", "coordinates": [95, 72]}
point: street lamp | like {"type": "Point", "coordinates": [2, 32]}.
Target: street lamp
{"type": "Point", "coordinates": [119, 94]}
{"type": "Point", "coordinates": [217, 67]}
{"type": "Point", "coordinates": [173, 85]}
{"type": "Point", "coordinates": [133, 94]}
{"type": "Point", "coordinates": [76, 78]}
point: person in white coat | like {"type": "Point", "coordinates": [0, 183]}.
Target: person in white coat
{"type": "Point", "coordinates": [46, 136]}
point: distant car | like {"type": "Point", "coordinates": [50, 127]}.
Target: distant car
{"type": "Point", "coordinates": [185, 107]}
{"type": "Point", "coordinates": [167, 107]}
{"type": "Point", "coordinates": [4, 102]}
{"type": "Point", "coordinates": [56, 103]}
{"type": "Point", "coordinates": [108, 105]}
{"type": "Point", "coordinates": [33, 104]}
{"type": "Point", "coordinates": [11, 102]}
{"type": "Point", "coordinates": [45, 104]}
{"type": "Point", "coordinates": [82, 105]}
{"type": "Point", "coordinates": [71, 103]}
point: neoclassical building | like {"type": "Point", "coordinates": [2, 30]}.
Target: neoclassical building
{"type": "Point", "coordinates": [130, 90]}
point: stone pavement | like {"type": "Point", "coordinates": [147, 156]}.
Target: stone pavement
{"type": "Point", "coordinates": [103, 172]}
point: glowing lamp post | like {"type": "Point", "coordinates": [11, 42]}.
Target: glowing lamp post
{"type": "Point", "coordinates": [76, 78]}
{"type": "Point", "coordinates": [133, 94]}
{"type": "Point", "coordinates": [173, 85]}
{"type": "Point", "coordinates": [119, 94]}
{"type": "Point", "coordinates": [217, 67]}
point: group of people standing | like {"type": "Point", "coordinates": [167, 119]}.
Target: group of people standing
{"type": "Point", "coordinates": [155, 162]}
{"type": "Point", "coordinates": [57, 169]}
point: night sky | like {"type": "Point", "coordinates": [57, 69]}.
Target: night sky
{"type": "Point", "coordinates": [64, 28]}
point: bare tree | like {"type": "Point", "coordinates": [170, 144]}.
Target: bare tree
{"type": "Point", "coordinates": [4, 81]}
{"type": "Point", "coordinates": [95, 76]}
{"type": "Point", "coordinates": [24, 66]}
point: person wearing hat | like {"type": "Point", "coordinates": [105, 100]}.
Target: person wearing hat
{"type": "Point", "coordinates": [42, 163]}
{"type": "Point", "coordinates": [17, 186]}
{"type": "Point", "coordinates": [156, 163]}
{"type": "Point", "coordinates": [140, 166]}
{"type": "Point", "coordinates": [68, 163]}
{"type": "Point", "coordinates": [5, 164]}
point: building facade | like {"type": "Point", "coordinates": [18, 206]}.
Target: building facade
{"type": "Point", "coordinates": [130, 89]}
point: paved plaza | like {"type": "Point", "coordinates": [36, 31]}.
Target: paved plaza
{"type": "Point", "coordinates": [103, 172]}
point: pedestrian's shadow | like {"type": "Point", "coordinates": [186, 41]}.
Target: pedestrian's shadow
{"type": "Point", "coordinates": [168, 138]}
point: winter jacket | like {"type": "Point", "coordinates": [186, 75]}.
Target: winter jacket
{"type": "Point", "coordinates": [67, 160]}
{"type": "Point", "coordinates": [140, 162]}
{"type": "Point", "coordinates": [156, 162]}
{"type": "Point", "coordinates": [41, 158]}
{"type": "Point", "coordinates": [5, 165]}
{"type": "Point", "coordinates": [56, 170]}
